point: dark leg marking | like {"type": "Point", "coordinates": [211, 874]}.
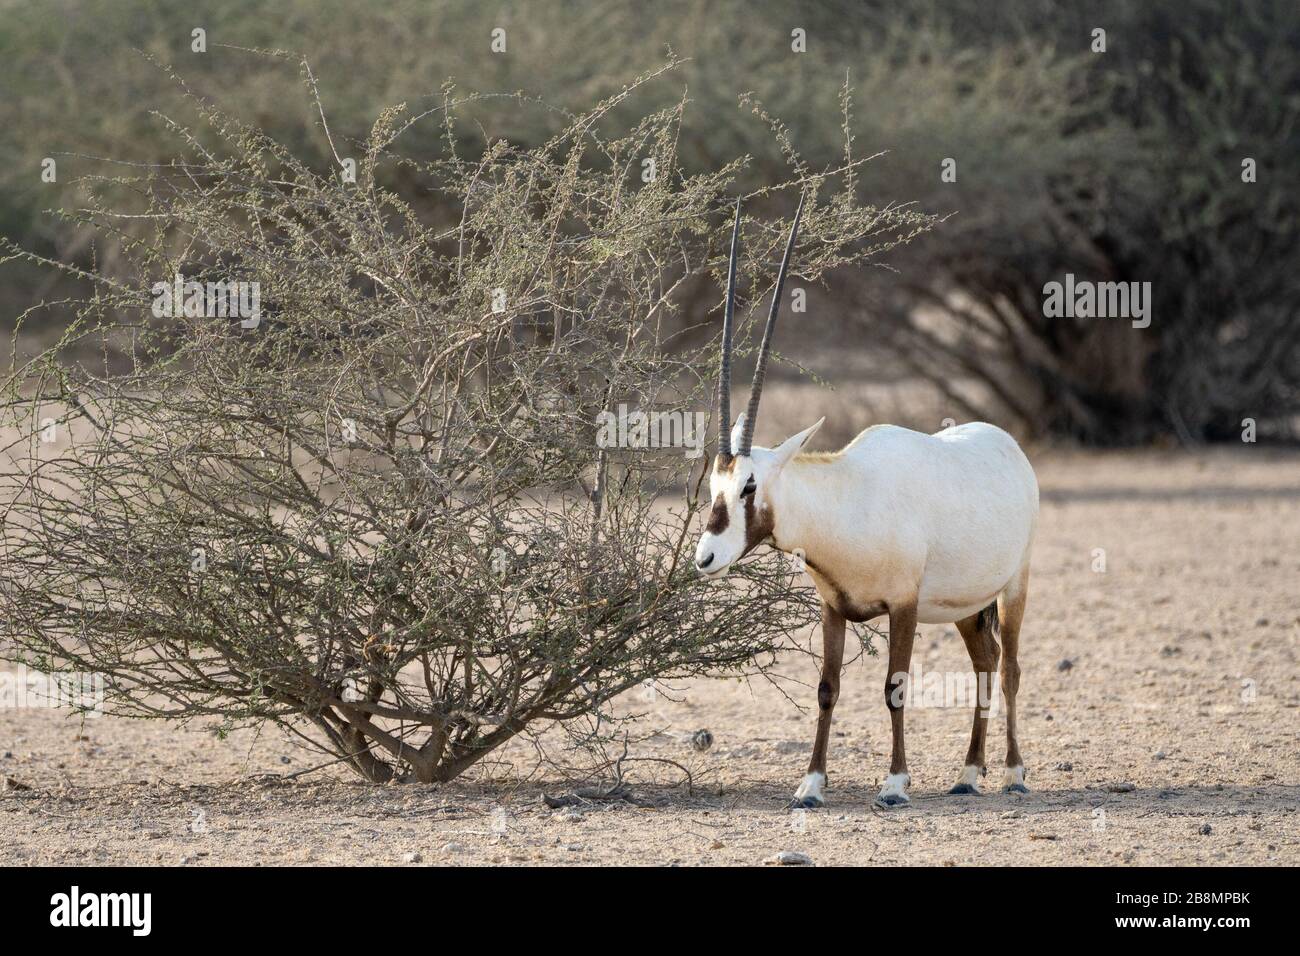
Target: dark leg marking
{"type": "Point", "coordinates": [828, 691]}
{"type": "Point", "coordinates": [902, 633]}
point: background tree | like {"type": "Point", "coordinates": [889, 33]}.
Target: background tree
{"type": "Point", "coordinates": [1123, 165]}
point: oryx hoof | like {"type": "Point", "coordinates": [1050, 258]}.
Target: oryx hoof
{"type": "Point", "coordinates": [1013, 780]}
{"type": "Point", "coordinates": [893, 800]}
{"type": "Point", "coordinates": [806, 803]}
{"type": "Point", "coordinates": [966, 783]}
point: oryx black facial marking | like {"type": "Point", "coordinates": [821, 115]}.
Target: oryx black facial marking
{"type": "Point", "coordinates": [759, 523]}
{"type": "Point", "coordinates": [718, 517]}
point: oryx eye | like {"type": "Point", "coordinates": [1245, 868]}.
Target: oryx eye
{"type": "Point", "coordinates": [749, 488]}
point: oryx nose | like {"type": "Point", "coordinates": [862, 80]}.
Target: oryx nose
{"type": "Point", "coordinates": [705, 562]}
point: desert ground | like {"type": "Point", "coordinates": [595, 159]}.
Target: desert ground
{"type": "Point", "coordinates": [1159, 714]}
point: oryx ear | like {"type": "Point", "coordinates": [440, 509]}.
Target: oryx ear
{"type": "Point", "coordinates": [783, 452]}
{"type": "Point", "coordinates": [737, 430]}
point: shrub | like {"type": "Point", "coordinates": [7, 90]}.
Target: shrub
{"type": "Point", "coordinates": [377, 505]}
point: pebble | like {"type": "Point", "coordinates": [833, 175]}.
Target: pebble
{"type": "Point", "coordinates": [1012, 815]}
{"type": "Point", "coordinates": [789, 858]}
{"type": "Point", "coordinates": [1065, 664]}
{"type": "Point", "coordinates": [1122, 788]}
{"type": "Point", "coordinates": [452, 847]}
{"type": "Point", "coordinates": [1206, 829]}
{"type": "Point", "coordinates": [1065, 765]}
{"type": "Point", "coordinates": [412, 857]}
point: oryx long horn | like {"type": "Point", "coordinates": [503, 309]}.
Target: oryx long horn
{"type": "Point", "coordinates": [724, 373]}
{"type": "Point", "coordinates": [756, 390]}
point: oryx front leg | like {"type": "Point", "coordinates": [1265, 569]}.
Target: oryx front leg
{"type": "Point", "coordinates": [810, 795]}
{"type": "Point", "coordinates": [902, 631]}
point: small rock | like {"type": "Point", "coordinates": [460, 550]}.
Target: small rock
{"type": "Point", "coordinates": [789, 858]}
{"type": "Point", "coordinates": [1160, 755]}
{"type": "Point", "coordinates": [569, 814]}
{"type": "Point", "coordinates": [1261, 622]}
{"type": "Point", "coordinates": [702, 740]}
{"type": "Point", "coordinates": [184, 860]}
{"type": "Point", "coordinates": [1065, 664]}
{"type": "Point", "coordinates": [1065, 765]}
{"type": "Point", "coordinates": [452, 847]}
{"type": "Point", "coordinates": [411, 857]}
{"type": "Point", "coordinates": [1205, 829]}
{"type": "Point", "coordinates": [1121, 788]}
{"type": "Point", "coordinates": [716, 845]}
{"type": "Point", "coordinates": [285, 760]}
{"type": "Point", "coordinates": [1012, 815]}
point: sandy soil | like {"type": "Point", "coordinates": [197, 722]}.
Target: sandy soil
{"type": "Point", "coordinates": [1171, 738]}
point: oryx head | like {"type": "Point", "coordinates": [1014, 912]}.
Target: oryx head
{"type": "Point", "coordinates": [744, 477]}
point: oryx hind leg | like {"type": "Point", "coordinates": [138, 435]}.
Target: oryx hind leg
{"type": "Point", "coordinates": [1011, 612]}
{"type": "Point", "coordinates": [979, 631]}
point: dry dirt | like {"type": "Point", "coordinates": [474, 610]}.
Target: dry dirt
{"type": "Point", "coordinates": [1172, 738]}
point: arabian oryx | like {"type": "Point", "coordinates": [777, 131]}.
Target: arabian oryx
{"type": "Point", "coordinates": [924, 528]}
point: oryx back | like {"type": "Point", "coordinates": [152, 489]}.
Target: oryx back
{"type": "Point", "coordinates": [958, 506]}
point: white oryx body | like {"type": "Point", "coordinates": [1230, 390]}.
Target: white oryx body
{"type": "Point", "coordinates": [925, 528]}
{"type": "Point", "coordinates": [946, 519]}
